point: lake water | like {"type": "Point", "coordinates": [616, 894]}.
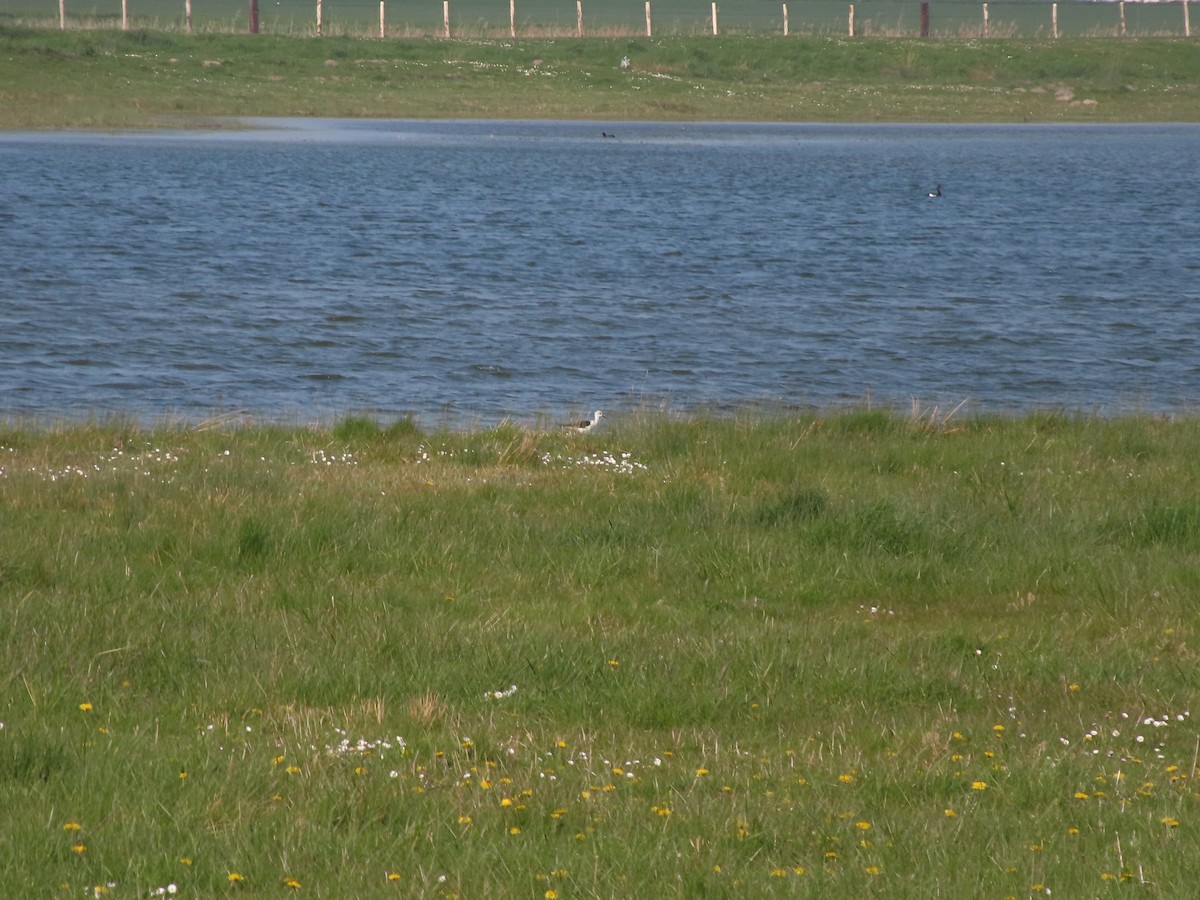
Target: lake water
{"type": "Point", "coordinates": [462, 272]}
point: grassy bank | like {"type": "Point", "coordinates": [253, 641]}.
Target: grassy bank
{"type": "Point", "coordinates": [111, 79]}
{"type": "Point", "coordinates": [855, 655]}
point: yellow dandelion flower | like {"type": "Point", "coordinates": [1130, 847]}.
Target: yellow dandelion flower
{"type": "Point", "coordinates": [514, 830]}
{"type": "Point", "coordinates": [872, 870]}
{"type": "Point", "coordinates": [998, 729]}
{"type": "Point", "coordinates": [613, 663]}
{"type": "Point", "coordinates": [798, 870]}
{"type": "Point", "coordinates": [86, 707]}
{"type": "Point", "coordinates": [1072, 830]}
{"type": "Point", "coordinates": [950, 814]}
{"type": "Point", "coordinates": [1170, 822]}
{"type": "Point", "coordinates": [293, 770]}
{"type": "Point", "coordinates": [505, 802]}
{"type": "Point", "coordinates": [464, 820]}
{"type": "Point", "coordinates": [1082, 795]}
{"type": "Point", "coordinates": [185, 860]}
{"type": "Point", "coordinates": [779, 873]}
{"type": "Point", "coordinates": [663, 811]}
{"type": "Point", "coordinates": [701, 773]}
{"type": "Point", "coordinates": [551, 894]}
{"type": "Point", "coordinates": [183, 774]}
{"type": "Point", "coordinates": [831, 854]}
{"type": "Point", "coordinates": [846, 778]}
{"type": "Point", "coordinates": [865, 826]}
{"type": "Point", "coordinates": [1073, 688]}
{"type": "Point", "coordinates": [979, 785]}
{"type": "Point", "coordinates": [102, 730]}
{"type": "Point", "coordinates": [288, 881]}
{"type": "Point", "coordinates": [485, 785]}
{"type": "Point", "coordinates": [71, 826]}
{"type": "Point", "coordinates": [393, 876]}
{"type": "Point", "coordinates": [79, 848]}
{"type": "Point", "coordinates": [235, 878]}
{"type": "Point", "coordinates": [277, 760]}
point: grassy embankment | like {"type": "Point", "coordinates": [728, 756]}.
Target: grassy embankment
{"type": "Point", "coordinates": [862, 655]}
{"type": "Point", "coordinates": [112, 79]}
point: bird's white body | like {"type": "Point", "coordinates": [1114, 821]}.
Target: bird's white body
{"type": "Point", "coordinates": [585, 425]}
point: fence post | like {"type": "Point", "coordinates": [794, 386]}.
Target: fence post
{"type": "Point", "coordinates": [578, 18]}
{"type": "Point", "coordinates": [647, 18]}
{"type": "Point", "coordinates": [125, 15]}
{"type": "Point", "coordinates": [985, 20]}
{"type": "Point", "coordinates": [382, 22]}
{"type": "Point", "coordinates": [785, 21]}
{"type": "Point", "coordinates": [714, 16]}
{"type": "Point", "coordinates": [1054, 20]}
{"type": "Point", "coordinates": [924, 19]}
{"type": "Point", "coordinates": [851, 20]}
{"type": "Point", "coordinates": [1122, 9]}
{"type": "Point", "coordinates": [446, 18]}
{"type": "Point", "coordinates": [187, 15]}
{"type": "Point", "coordinates": [1187, 26]}
{"type": "Point", "coordinates": [318, 18]}
{"type": "Point", "coordinates": [512, 18]}
{"type": "Point", "coordinates": [254, 16]}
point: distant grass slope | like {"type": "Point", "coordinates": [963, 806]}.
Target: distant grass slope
{"type": "Point", "coordinates": [103, 79]}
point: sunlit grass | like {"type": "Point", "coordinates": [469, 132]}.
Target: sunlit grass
{"type": "Point", "coordinates": [114, 79]}
{"type": "Point", "coordinates": [815, 655]}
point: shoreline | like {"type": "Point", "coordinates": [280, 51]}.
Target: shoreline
{"type": "Point", "coordinates": [104, 80]}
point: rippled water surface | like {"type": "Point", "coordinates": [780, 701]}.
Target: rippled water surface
{"type": "Point", "coordinates": [467, 271]}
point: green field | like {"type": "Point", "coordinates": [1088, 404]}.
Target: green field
{"type": "Point", "coordinates": [104, 78]}
{"type": "Point", "coordinates": [478, 18]}
{"type": "Point", "coordinates": [852, 654]}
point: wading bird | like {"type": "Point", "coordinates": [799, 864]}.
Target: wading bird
{"type": "Point", "coordinates": [585, 425]}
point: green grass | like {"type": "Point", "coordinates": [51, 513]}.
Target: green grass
{"type": "Point", "coordinates": [114, 79]}
{"type": "Point", "coordinates": [557, 18]}
{"type": "Point", "coordinates": [859, 654]}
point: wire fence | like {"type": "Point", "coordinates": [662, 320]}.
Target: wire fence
{"type": "Point", "coordinates": [616, 18]}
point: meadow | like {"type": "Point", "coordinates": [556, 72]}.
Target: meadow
{"type": "Point", "coordinates": [611, 18]}
{"type": "Point", "coordinates": [106, 78]}
{"type": "Point", "coordinates": [771, 653]}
